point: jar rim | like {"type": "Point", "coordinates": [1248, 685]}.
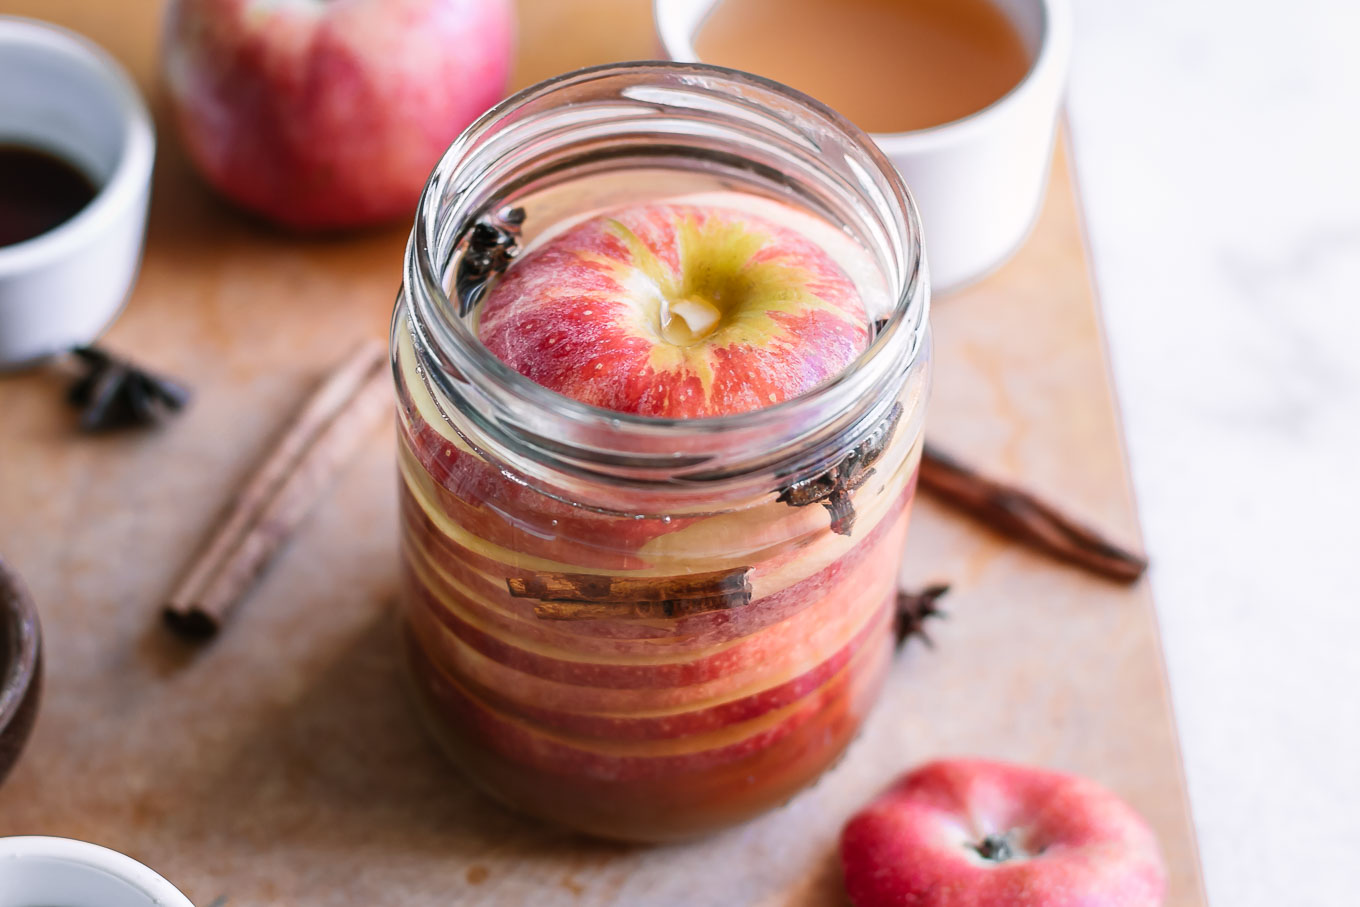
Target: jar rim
{"type": "Point", "coordinates": [896, 344]}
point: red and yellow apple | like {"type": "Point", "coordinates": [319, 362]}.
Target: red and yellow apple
{"type": "Point", "coordinates": [657, 728]}
{"type": "Point", "coordinates": [322, 114]}
{"type": "Point", "coordinates": [677, 311]}
{"type": "Point", "coordinates": [975, 833]}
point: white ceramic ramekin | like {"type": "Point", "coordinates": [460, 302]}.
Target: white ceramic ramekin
{"type": "Point", "coordinates": [978, 181]}
{"type": "Point", "coordinates": [36, 872]}
{"type": "Point", "coordinates": [65, 95]}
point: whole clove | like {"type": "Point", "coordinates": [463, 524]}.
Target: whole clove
{"type": "Point", "coordinates": [833, 488]}
{"type": "Point", "coordinates": [491, 246]}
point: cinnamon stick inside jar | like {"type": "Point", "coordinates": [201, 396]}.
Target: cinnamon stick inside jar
{"type": "Point", "coordinates": [585, 596]}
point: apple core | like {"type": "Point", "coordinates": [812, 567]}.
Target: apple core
{"type": "Point", "coordinates": [688, 320]}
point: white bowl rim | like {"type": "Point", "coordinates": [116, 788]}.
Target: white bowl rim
{"type": "Point", "coordinates": [1055, 41]}
{"type": "Point", "coordinates": [131, 174]}
{"type": "Point", "coordinates": [83, 853]}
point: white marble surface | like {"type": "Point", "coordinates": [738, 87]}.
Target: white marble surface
{"type": "Point", "coordinates": [1217, 145]}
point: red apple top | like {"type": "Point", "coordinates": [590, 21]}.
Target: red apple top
{"type": "Point", "coordinates": [975, 833]}
{"type": "Point", "coordinates": [677, 311]}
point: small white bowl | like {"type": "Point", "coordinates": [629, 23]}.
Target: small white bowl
{"type": "Point", "coordinates": [978, 181]}
{"type": "Point", "coordinates": [61, 872]}
{"type": "Point", "coordinates": [63, 94]}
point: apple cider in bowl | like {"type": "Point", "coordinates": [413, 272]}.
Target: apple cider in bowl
{"type": "Point", "coordinates": [662, 361]}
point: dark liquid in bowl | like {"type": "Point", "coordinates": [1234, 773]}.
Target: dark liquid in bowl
{"type": "Point", "coordinates": [38, 191]}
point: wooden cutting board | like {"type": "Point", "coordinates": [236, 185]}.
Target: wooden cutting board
{"type": "Point", "coordinates": [281, 764]}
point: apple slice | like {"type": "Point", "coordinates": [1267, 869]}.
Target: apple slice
{"type": "Point", "coordinates": [624, 758]}
{"type": "Point", "coordinates": [810, 635]}
{"type": "Point", "coordinates": [783, 589]}
{"type": "Point", "coordinates": [677, 719]}
{"type": "Point", "coordinates": [649, 798]}
{"type": "Point", "coordinates": [677, 311]}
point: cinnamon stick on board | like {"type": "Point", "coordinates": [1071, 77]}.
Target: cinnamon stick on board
{"type": "Point", "coordinates": [274, 500]}
{"type": "Point", "coordinates": [1020, 515]}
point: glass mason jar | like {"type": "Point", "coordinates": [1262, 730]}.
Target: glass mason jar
{"type": "Point", "coordinates": [639, 627]}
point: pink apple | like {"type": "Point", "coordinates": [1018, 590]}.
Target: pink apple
{"type": "Point", "coordinates": [677, 311]}
{"type": "Point", "coordinates": [972, 833]}
{"type": "Point", "coordinates": [331, 113]}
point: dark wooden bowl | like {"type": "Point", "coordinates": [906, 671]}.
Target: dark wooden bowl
{"type": "Point", "coordinates": [20, 667]}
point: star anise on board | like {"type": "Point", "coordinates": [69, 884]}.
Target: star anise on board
{"type": "Point", "coordinates": [113, 393]}
{"type": "Point", "coordinates": [914, 609]}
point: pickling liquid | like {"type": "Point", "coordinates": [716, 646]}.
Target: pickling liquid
{"type": "Point", "coordinates": [888, 65]}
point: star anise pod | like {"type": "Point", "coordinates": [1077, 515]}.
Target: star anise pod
{"type": "Point", "coordinates": [914, 609]}
{"type": "Point", "coordinates": [113, 393]}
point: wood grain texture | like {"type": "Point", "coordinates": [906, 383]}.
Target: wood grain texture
{"type": "Point", "coordinates": [282, 765]}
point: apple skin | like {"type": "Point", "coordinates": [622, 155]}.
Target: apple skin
{"type": "Point", "coordinates": [1075, 843]}
{"type": "Point", "coordinates": [584, 314]}
{"type": "Point", "coordinates": [330, 115]}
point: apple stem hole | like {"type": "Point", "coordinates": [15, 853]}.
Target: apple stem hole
{"type": "Point", "coordinates": [688, 320]}
{"type": "Point", "coordinates": [996, 847]}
